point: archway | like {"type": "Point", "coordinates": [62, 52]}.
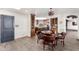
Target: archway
{"type": "Point", "coordinates": [71, 23]}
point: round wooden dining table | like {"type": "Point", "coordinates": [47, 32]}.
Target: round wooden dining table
{"type": "Point", "coordinates": [48, 38]}
{"type": "Point", "coordinates": [46, 32]}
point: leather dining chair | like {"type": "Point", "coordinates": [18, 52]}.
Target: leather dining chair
{"type": "Point", "coordinates": [48, 40]}
{"type": "Point", "coordinates": [39, 36]}
{"type": "Point", "coordinates": [61, 37]}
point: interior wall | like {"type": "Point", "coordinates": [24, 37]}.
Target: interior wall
{"type": "Point", "coordinates": [78, 29]}
{"type": "Point", "coordinates": [62, 21]}
{"type": "Point", "coordinates": [70, 26]}
{"type": "Point", "coordinates": [21, 23]}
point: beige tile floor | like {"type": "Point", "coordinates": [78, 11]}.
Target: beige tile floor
{"type": "Point", "coordinates": [30, 44]}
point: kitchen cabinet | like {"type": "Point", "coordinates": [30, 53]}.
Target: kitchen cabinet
{"type": "Point", "coordinates": [54, 24]}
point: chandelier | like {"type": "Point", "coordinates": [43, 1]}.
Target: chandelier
{"type": "Point", "coordinates": [51, 12]}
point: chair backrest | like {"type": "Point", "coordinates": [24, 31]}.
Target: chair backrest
{"type": "Point", "coordinates": [36, 29]}
{"type": "Point", "coordinates": [53, 32]}
{"type": "Point", "coordinates": [63, 34]}
{"type": "Point", "coordinates": [39, 34]}
{"type": "Point", "coordinates": [46, 38]}
{"type": "Point", "coordinates": [49, 38]}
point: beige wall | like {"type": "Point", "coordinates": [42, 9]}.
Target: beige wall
{"type": "Point", "coordinates": [22, 20]}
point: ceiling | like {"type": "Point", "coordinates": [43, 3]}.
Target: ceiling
{"type": "Point", "coordinates": [39, 12]}
{"type": "Point", "coordinates": [43, 12]}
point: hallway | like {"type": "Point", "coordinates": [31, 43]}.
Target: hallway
{"type": "Point", "coordinates": [30, 44]}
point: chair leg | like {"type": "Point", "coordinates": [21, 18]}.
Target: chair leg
{"type": "Point", "coordinates": [62, 42]}
{"type": "Point", "coordinates": [52, 46]}
{"type": "Point", "coordinates": [43, 47]}
{"type": "Point", "coordinates": [56, 42]}
{"type": "Point", "coordinates": [37, 40]}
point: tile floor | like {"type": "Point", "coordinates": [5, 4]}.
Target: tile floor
{"type": "Point", "coordinates": [30, 44]}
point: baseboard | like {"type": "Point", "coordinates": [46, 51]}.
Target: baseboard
{"type": "Point", "coordinates": [71, 30]}
{"type": "Point", "coordinates": [23, 37]}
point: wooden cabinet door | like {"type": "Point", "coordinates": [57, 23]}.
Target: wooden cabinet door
{"type": "Point", "coordinates": [54, 23]}
{"type": "Point", "coordinates": [32, 25]}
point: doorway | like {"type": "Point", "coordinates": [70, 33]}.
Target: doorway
{"type": "Point", "coordinates": [71, 23]}
{"type": "Point", "coordinates": [72, 26]}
